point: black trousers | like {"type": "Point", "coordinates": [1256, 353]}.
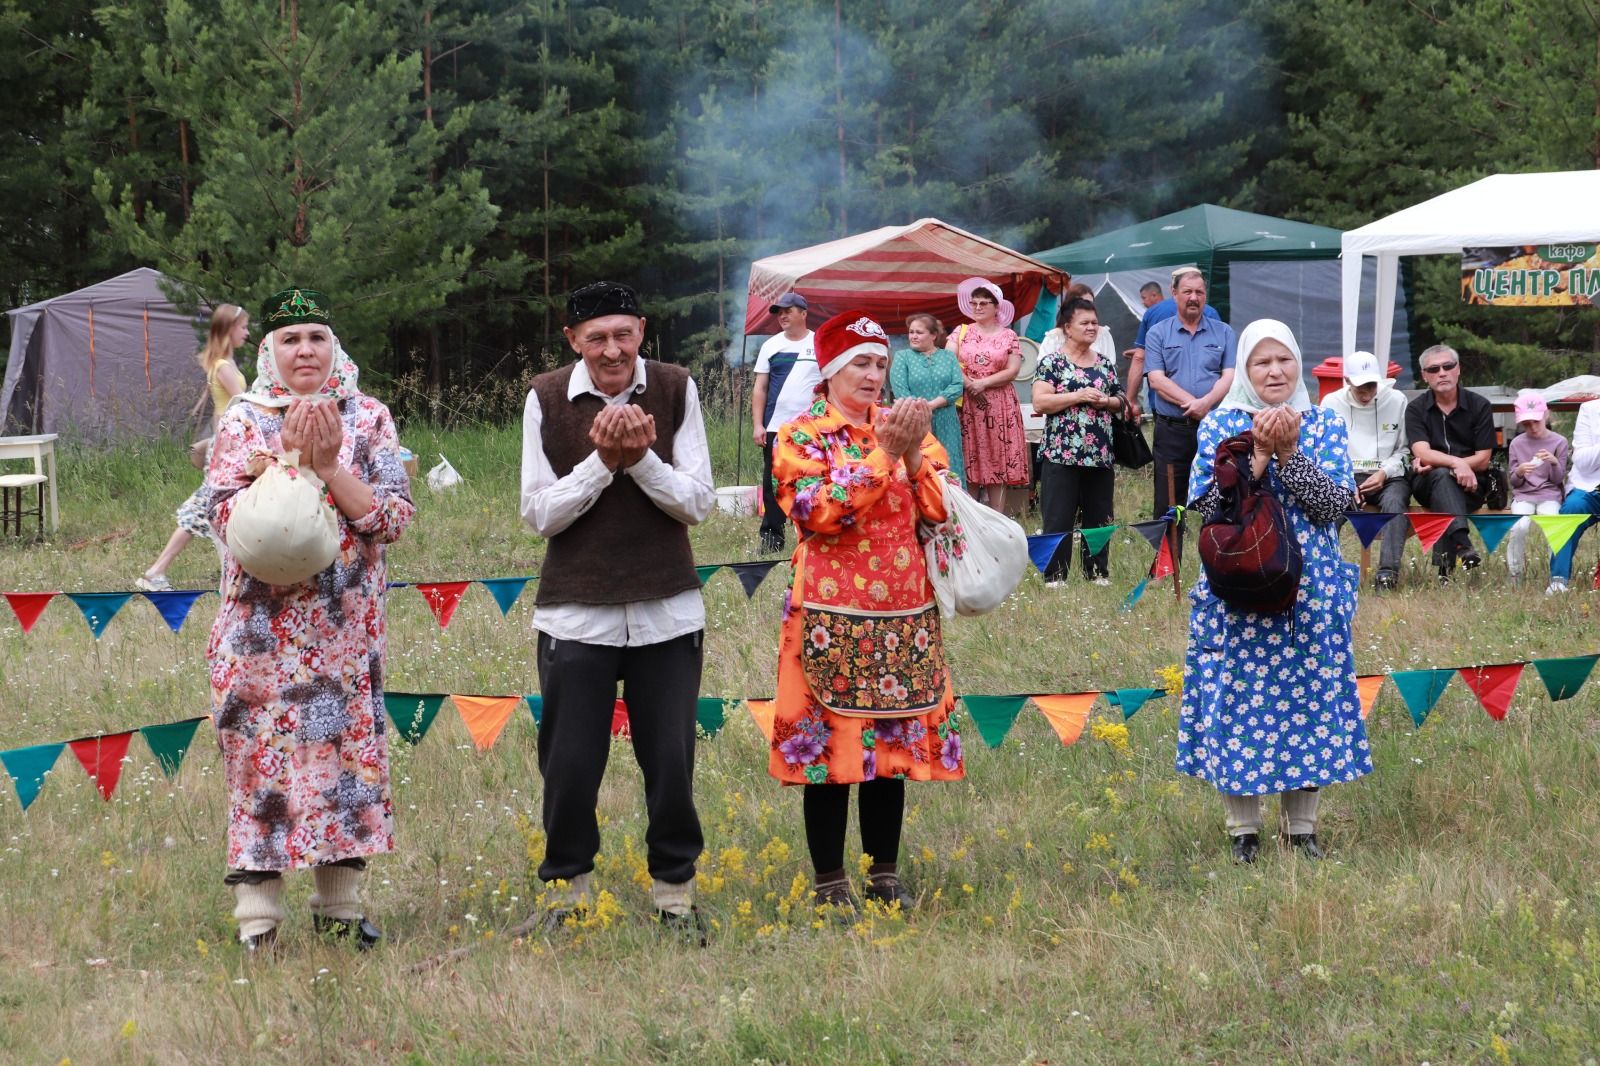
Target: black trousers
{"type": "Point", "coordinates": [881, 806]}
{"type": "Point", "coordinates": [773, 520]}
{"type": "Point", "coordinates": [1176, 442]}
{"type": "Point", "coordinates": [1437, 490]}
{"type": "Point", "coordinates": [661, 683]}
{"type": "Point", "coordinates": [1073, 497]}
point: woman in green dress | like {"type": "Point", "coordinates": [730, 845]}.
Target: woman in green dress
{"type": "Point", "coordinates": [930, 371]}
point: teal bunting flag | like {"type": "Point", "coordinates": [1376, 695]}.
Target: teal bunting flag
{"type": "Point", "coordinates": [1564, 677]}
{"type": "Point", "coordinates": [704, 572]}
{"type": "Point", "coordinates": [412, 714]}
{"type": "Point", "coordinates": [1096, 538]}
{"type": "Point", "coordinates": [505, 590]}
{"type": "Point", "coordinates": [1129, 700]}
{"type": "Point", "coordinates": [27, 767]}
{"type": "Point", "coordinates": [711, 712]}
{"type": "Point", "coordinates": [536, 708]}
{"type": "Point", "coordinates": [1493, 528]}
{"type": "Point", "coordinates": [99, 608]}
{"type": "Point", "coordinates": [1133, 597]}
{"type": "Point", "coordinates": [169, 743]}
{"type": "Point", "coordinates": [174, 605]}
{"type": "Point", "coordinates": [994, 715]}
{"type": "Point", "coordinates": [1421, 690]}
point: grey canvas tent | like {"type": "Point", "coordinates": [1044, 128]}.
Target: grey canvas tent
{"type": "Point", "coordinates": [116, 359]}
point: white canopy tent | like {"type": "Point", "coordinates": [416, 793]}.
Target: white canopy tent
{"type": "Point", "coordinates": [1502, 210]}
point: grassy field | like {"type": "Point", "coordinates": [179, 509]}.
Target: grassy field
{"type": "Point", "coordinates": [1077, 903]}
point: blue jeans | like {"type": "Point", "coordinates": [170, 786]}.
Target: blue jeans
{"type": "Point", "coordinates": [1578, 501]}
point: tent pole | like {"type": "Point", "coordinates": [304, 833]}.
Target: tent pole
{"type": "Point", "coordinates": [738, 406]}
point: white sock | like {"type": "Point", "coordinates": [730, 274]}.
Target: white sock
{"type": "Point", "coordinates": [258, 908]}
{"type": "Point", "coordinates": [674, 899]}
{"type": "Point", "coordinates": [338, 893]}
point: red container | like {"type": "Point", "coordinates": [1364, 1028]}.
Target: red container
{"type": "Point", "coordinates": [1330, 375]}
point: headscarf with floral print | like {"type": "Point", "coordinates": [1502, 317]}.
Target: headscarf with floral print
{"type": "Point", "coordinates": [269, 389]}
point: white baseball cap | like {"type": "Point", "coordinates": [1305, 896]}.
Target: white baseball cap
{"type": "Point", "coordinates": [1361, 368]}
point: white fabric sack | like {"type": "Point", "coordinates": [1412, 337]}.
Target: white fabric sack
{"type": "Point", "coordinates": [282, 530]}
{"type": "Point", "coordinates": [976, 556]}
{"type": "Point", "coordinates": [443, 476]}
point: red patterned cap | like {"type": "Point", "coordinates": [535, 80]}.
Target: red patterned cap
{"type": "Point", "coordinates": [845, 336]}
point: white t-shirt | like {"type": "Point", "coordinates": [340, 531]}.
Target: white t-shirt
{"type": "Point", "coordinates": [792, 379]}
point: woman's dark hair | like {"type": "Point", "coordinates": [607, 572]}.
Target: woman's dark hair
{"type": "Point", "coordinates": [1079, 291]}
{"type": "Point", "coordinates": [931, 324]}
{"type": "Point", "coordinates": [993, 294]}
{"type": "Point", "coordinates": [1072, 307]}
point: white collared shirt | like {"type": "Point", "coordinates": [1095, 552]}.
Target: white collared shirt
{"type": "Point", "coordinates": [682, 488]}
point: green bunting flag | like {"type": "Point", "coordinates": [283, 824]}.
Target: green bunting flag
{"type": "Point", "coordinates": [169, 743]}
{"type": "Point", "coordinates": [704, 572]}
{"type": "Point", "coordinates": [1129, 700]}
{"type": "Point", "coordinates": [1558, 528]}
{"type": "Point", "coordinates": [27, 767]}
{"type": "Point", "coordinates": [99, 608]}
{"type": "Point", "coordinates": [535, 707]}
{"type": "Point", "coordinates": [710, 713]}
{"type": "Point", "coordinates": [1421, 689]}
{"type": "Point", "coordinates": [1097, 538]}
{"type": "Point", "coordinates": [1564, 677]}
{"type": "Point", "coordinates": [994, 715]}
{"type": "Point", "coordinates": [412, 714]}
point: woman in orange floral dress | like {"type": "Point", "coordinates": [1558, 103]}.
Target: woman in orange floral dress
{"type": "Point", "coordinates": [863, 697]}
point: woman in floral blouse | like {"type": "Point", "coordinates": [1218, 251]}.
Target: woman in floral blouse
{"type": "Point", "coordinates": [297, 670]}
{"type": "Point", "coordinates": [863, 694]}
{"type": "Point", "coordinates": [1077, 391]}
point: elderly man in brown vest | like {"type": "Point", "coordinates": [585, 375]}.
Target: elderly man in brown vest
{"type": "Point", "coordinates": [615, 469]}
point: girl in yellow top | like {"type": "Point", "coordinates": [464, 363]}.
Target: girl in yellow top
{"type": "Point", "coordinates": [230, 328]}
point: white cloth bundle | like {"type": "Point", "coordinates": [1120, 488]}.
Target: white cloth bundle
{"type": "Point", "coordinates": [282, 530]}
{"type": "Point", "coordinates": [976, 557]}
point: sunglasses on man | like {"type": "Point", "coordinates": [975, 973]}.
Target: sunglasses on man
{"type": "Point", "coordinates": [1439, 368]}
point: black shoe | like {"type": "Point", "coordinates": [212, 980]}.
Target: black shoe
{"type": "Point", "coordinates": [262, 945]}
{"type": "Point", "coordinates": [1307, 843]}
{"type": "Point", "coordinates": [1386, 581]}
{"type": "Point", "coordinates": [771, 543]}
{"type": "Point", "coordinates": [1246, 846]}
{"type": "Point", "coordinates": [1471, 560]}
{"type": "Point", "coordinates": [556, 919]}
{"type": "Point", "coordinates": [365, 934]}
{"type": "Point", "coordinates": [691, 927]}
{"type": "Point", "coordinates": [888, 890]}
{"type": "Point", "coordinates": [838, 900]}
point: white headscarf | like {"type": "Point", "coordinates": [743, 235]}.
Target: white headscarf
{"type": "Point", "coordinates": [1242, 395]}
{"type": "Point", "coordinates": [270, 390]}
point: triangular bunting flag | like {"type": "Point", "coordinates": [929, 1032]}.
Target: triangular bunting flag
{"type": "Point", "coordinates": [1564, 677]}
{"type": "Point", "coordinates": [1131, 699]}
{"type": "Point", "coordinates": [411, 713]}
{"type": "Point", "coordinates": [704, 572]}
{"type": "Point", "coordinates": [101, 759]}
{"type": "Point", "coordinates": [1066, 713]}
{"type": "Point", "coordinates": [28, 606]}
{"type": "Point", "coordinates": [485, 716]}
{"type": "Point", "coordinates": [1493, 528]}
{"type": "Point", "coordinates": [1153, 531]}
{"type": "Point", "coordinates": [536, 707]}
{"type": "Point", "coordinates": [443, 598]}
{"type": "Point", "coordinates": [1559, 528]}
{"type": "Point", "coordinates": [1421, 689]}
{"type": "Point", "coordinates": [1133, 597]}
{"type": "Point", "coordinates": [763, 712]}
{"type": "Point", "coordinates": [1162, 566]}
{"type": "Point", "coordinates": [710, 712]}
{"type": "Point", "coordinates": [1096, 538]}
{"type": "Point", "coordinates": [1042, 548]}
{"type": "Point", "coordinates": [620, 726]}
{"type": "Point", "coordinates": [1367, 686]}
{"type": "Point", "coordinates": [752, 574]}
{"type": "Point", "coordinates": [1494, 686]}
{"type": "Point", "coordinates": [994, 715]}
{"type": "Point", "coordinates": [99, 608]}
{"type": "Point", "coordinates": [1368, 525]}
{"type": "Point", "coordinates": [169, 743]}
{"type": "Point", "coordinates": [27, 767]}
{"type": "Point", "coordinates": [505, 590]}
{"type": "Point", "coordinates": [174, 605]}
{"type": "Point", "coordinates": [1429, 527]}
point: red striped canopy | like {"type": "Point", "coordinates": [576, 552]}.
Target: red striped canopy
{"type": "Point", "coordinates": [894, 272]}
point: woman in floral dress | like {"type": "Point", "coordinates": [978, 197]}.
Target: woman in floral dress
{"type": "Point", "coordinates": [1269, 701]}
{"type": "Point", "coordinates": [1077, 391]}
{"type": "Point", "coordinates": [297, 671]}
{"type": "Point", "coordinates": [863, 694]}
{"type": "Point", "coordinates": [991, 417]}
{"type": "Point", "coordinates": [929, 371]}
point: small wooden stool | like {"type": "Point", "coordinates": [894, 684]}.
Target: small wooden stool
{"type": "Point", "coordinates": [12, 487]}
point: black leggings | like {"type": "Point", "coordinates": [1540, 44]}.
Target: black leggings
{"type": "Point", "coordinates": [882, 807]}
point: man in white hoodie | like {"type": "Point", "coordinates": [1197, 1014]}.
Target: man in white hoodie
{"type": "Point", "coordinates": [1374, 413]}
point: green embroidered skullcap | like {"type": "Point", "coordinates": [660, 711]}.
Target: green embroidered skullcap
{"type": "Point", "coordinates": [291, 307]}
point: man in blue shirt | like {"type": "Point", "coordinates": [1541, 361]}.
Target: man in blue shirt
{"type": "Point", "coordinates": [1189, 360]}
{"type": "Point", "coordinates": [1156, 310]}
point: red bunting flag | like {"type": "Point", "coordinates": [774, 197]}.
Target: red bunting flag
{"type": "Point", "coordinates": [1162, 567]}
{"type": "Point", "coordinates": [485, 716]}
{"type": "Point", "coordinates": [443, 597]}
{"type": "Point", "coordinates": [619, 721]}
{"type": "Point", "coordinates": [1368, 686]}
{"type": "Point", "coordinates": [1067, 713]}
{"type": "Point", "coordinates": [28, 606]}
{"type": "Point", "coordinates": [1493, 685]}
{"type": "Point", "coordinates": [101, 758]}
{"type": "Point", "coordinates": [1429, 527]}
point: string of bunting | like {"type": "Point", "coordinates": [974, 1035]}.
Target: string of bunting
{"type": "Point", "coordinates": [485, 717]}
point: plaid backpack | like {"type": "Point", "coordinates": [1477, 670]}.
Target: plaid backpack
{"type": "Point", "coordinates": [1248, 547]}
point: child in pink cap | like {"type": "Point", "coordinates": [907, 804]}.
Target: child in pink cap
{"type": "Point", "coordinates": [1538, 470]}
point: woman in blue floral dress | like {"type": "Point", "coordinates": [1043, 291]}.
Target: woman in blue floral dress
{"type": "Point", "coordinates": [1269, 701]}
{"type": "Point", "coordinates": [1077, 390]}
{"type": "Point", "coordinates": [930, 371]}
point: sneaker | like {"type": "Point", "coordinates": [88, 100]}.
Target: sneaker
{"type": "Point", "coordinates": [1102, 581]}
{"type": "Point", "coordinates": [1470, 561]}
{"type": "Point", "coordinates": [1556, 587]}
{"type": "Point", "coordinates": [1386, 581]}
{"type": "Point", "coordinates": [1057, 583]}
{"type": "Point", "coordinates": [153, 583]}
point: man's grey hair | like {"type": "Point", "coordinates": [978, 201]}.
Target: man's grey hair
{"type": "Point", "coordinates": [1438, 349]}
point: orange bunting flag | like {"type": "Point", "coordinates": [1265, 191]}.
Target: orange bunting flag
{"type": "Point", "coordinates": [1494, 686]}
{"type": "Point", "coordinates": [763, 711]}
{"type": "Point", "coordinates": [101, 758]}
{"type": "Point", "coordinates": [1067, 713]}
{"type": "Point", "coordinates": [1368, 687]}
{"type": "Point", "coordinates": [485, 716]}
{"type": "Point", "coordinates": [443, 597]}
{"type": "Point", "coordinates": [619, 721]}
{"type": "Point", "coordinates": [28, 606]}
{"type": "Point", "coordinates": [1429, 527]}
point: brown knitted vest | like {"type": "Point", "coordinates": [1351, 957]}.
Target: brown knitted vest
{"type": "Point", "coordinates": [624, 549]}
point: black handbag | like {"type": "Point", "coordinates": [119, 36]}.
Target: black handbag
{"type": "Point", "coordinates": [1128, 446]}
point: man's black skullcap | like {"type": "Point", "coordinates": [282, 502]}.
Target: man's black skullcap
{"type": "Point", "coordinates": [600, 299]}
